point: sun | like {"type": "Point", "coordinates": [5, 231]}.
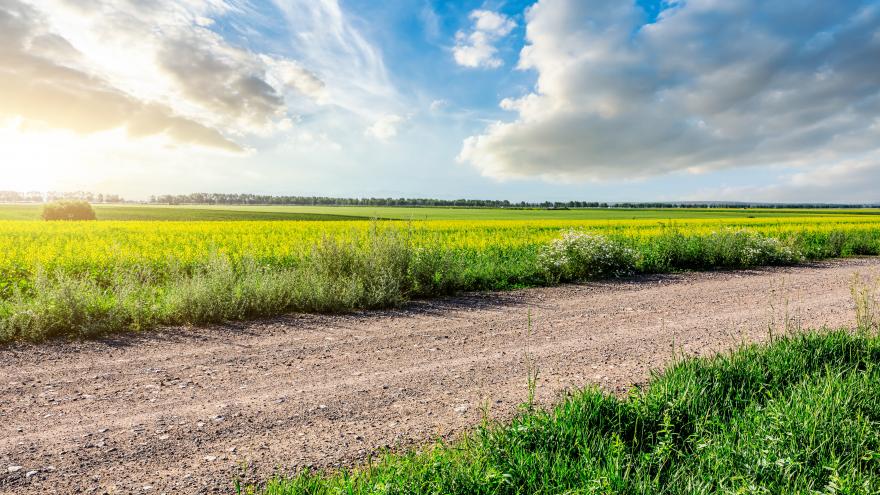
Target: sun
{"type": "Point", "coordinates": [26, 159]}
{"type": "Point", "coordinates": [34, 158]}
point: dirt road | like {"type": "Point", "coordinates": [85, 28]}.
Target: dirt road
{"type": "Point", "coordinates": [187, 410]}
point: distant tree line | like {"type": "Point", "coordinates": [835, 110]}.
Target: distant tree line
{"type": "Point", "coordinates": [258, 199]}
{"type": "Point", "coordinates": [262, 199]}
{"type": "Point", "coordinates": [48, 197]}
{"type": "Point", "coordinates": [741, 204]}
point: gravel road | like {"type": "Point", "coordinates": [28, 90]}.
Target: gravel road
{"type": "Point", "coordinates": [187, 410]}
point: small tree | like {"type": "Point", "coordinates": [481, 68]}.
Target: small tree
{"type": "Point", "coordinates": [68, 210]}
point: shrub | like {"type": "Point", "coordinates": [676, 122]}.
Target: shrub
{"type": "Point", "coordinates": [742, 248]}
{"type": "Point", "coordinates": [579, 255]}
{"type": "Point", "coordinates": [436, 272]}
{"type": "Point", "coordinates": [68, 210]}
{"type": "Point", "coordinates": [725, 248]}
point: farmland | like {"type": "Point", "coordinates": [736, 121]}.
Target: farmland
{"type": "Point", "coordinates": [268, 212]}
{"type": "Point", "coordinates": [91, 278]}
{"type": "Point", "coordinates": [183, 213]}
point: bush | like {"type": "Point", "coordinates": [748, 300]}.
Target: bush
{"type": "Point", "coordinates": [582, 256]}
{"type": "Point", "coordinates": [725, 248]}
{"type": "Point", "coordinates": [436, 272]}
{"type": "Point", "coordinates": [730, 248]}
{"type": "Point", "coordinates": [68, 210]}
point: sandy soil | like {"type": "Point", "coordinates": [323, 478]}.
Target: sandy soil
{"type": "Point", "coordinates": [188, 410]}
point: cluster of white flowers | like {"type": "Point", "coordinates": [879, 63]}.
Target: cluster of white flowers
{"type": "Point", "coordinates": [579, 255]}
{"type": "Point", "coordinates": [771, 249]}
{"type": "Point", "coordinates": [746, 248]}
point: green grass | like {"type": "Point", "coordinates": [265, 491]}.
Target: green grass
{"type": "Point", "coordinates": [179, 213]}
{"type": "Point", "coordinates": [235, 212]}
{"type": "Point", "coordinates": [798, 416]}
{"type": "Point", "coordinates": [431, 213]}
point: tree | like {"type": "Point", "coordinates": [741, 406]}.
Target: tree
{"type": "Point", "coordinates": [68, 210]}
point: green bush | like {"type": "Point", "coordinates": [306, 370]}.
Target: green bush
{"type": "Point", "coordinates": [68, 210]}
{"type": "Point", "coordinates": [726, 248]}
{"type": "Point", "coordinates": [579, 255]}
{"type": "Point", "coordinates": [436, 272]}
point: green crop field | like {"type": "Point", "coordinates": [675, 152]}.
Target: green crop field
{"type": "Point", "coordinates": [129, 271]}
{"type": "Point", "coordinates": [261, 212]}
{"type": "Point", "coordinates": [431, 213]}
{"type": "Point", "coordinates": [180, 213]}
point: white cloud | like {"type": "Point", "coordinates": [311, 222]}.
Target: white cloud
{"type": "Point", "coordinates": [477, 48]}
{"type": "Point", "coordinates": [709, 85]}
{"type": "Point", "coordinates": [352, 70]}
{"type": "Point", "coordinates": [150, 61]}
{"type": "Point", "coordinates": [45, 81]}
{"type": "Point", "coordinates": [291, 74]}
{"type": "Point", "coordinates": [385, 128]}
{"type": "Point", "coordinates": [430, 21]}
{"type": "Point", "coordinates": [439, 105]}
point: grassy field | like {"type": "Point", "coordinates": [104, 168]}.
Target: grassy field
{"type": "Point", "coordinates": [85, 279]}
{"type": "Point", "coordinates": [429, 213]}
{"type": "Point", "coordinates": [180, 214]}
{"type": "Point", "coordinates": [799, 416]}
{"type": "Point", "coordinates": [236, 213]}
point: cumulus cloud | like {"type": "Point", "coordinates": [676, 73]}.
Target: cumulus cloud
{"type": "Point", "coordinates": [385, 128]}
{"type": "Point", "coordinates": [708, 85]}
{"type": "Point", "coordinates": [477, 48]}
{"type": "Point", "coordinates": [39, 82]}
{"type": "Point", "coordinates": [151, 67]}
{"type": "Point", "coordinates": [217, 78]}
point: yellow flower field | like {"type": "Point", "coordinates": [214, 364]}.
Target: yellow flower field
{"type": "Point", "coordinates": [89, 278]}
{"type": "Point", "coordinates": [97, 245]}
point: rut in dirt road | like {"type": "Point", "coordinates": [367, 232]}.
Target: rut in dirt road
{"type": "Point", "coordinates": [188, 410]}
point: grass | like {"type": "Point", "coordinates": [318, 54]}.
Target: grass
{"type": "Point", "coordinates": [85, 280]}
{"type": "Point", "coordinates": [482, 214]}
{"type": "Point", "coordinates": [268, 212]}
{"type": "Point", "coordinates": [798, 416]}
{"type": "Point", "coordinates": [180, 214]}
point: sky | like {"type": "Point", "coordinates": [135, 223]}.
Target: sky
{"type": "Point", "coordinates": [594, 100]}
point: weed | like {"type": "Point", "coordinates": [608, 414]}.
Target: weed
{"type": "Point", "coordinates": [864, 293]}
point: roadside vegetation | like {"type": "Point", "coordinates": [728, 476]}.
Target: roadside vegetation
{"type": "Point", "coordinates": [799, 415]}
{"type": "Point", "coordinates": [81, 279]}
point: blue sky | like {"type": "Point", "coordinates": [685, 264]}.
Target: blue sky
{"type": "Point", "coordinates": [549, 100]}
